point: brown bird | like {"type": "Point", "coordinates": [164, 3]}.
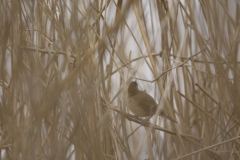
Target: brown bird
{"type": "Point", "coordinates": [142, 104]}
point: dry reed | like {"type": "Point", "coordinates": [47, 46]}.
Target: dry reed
{"type": "Point", "coordinates": [65, 67]}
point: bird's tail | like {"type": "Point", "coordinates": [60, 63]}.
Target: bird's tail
{"type": "Point", "coordinates": [165, 115]}
{"type": "Point", "coordinates": [170, 118]}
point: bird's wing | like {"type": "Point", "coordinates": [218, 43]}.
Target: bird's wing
{"type": "Point", "coordinates": [145, 101]}
{"type": "Point", "coordinates": [148, 104]}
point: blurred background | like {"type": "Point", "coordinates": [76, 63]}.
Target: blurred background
{"type": "Point", "coordinates": [65, 67]}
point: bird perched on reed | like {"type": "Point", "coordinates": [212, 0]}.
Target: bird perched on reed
{"type": "Point", "coordinates": [142, 104]}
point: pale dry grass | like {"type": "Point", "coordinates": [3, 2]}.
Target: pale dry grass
{"type": "Point", "coordinates": [66, 65]}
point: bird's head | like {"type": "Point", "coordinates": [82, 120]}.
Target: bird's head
{"type": "Point", "coordinates": [132, 88]}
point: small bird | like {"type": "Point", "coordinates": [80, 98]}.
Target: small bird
{"type": "Point", "coordinates": [142, 104]}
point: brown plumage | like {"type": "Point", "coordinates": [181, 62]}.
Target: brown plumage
{"type": "Point", "coordinates": [142, 104]}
